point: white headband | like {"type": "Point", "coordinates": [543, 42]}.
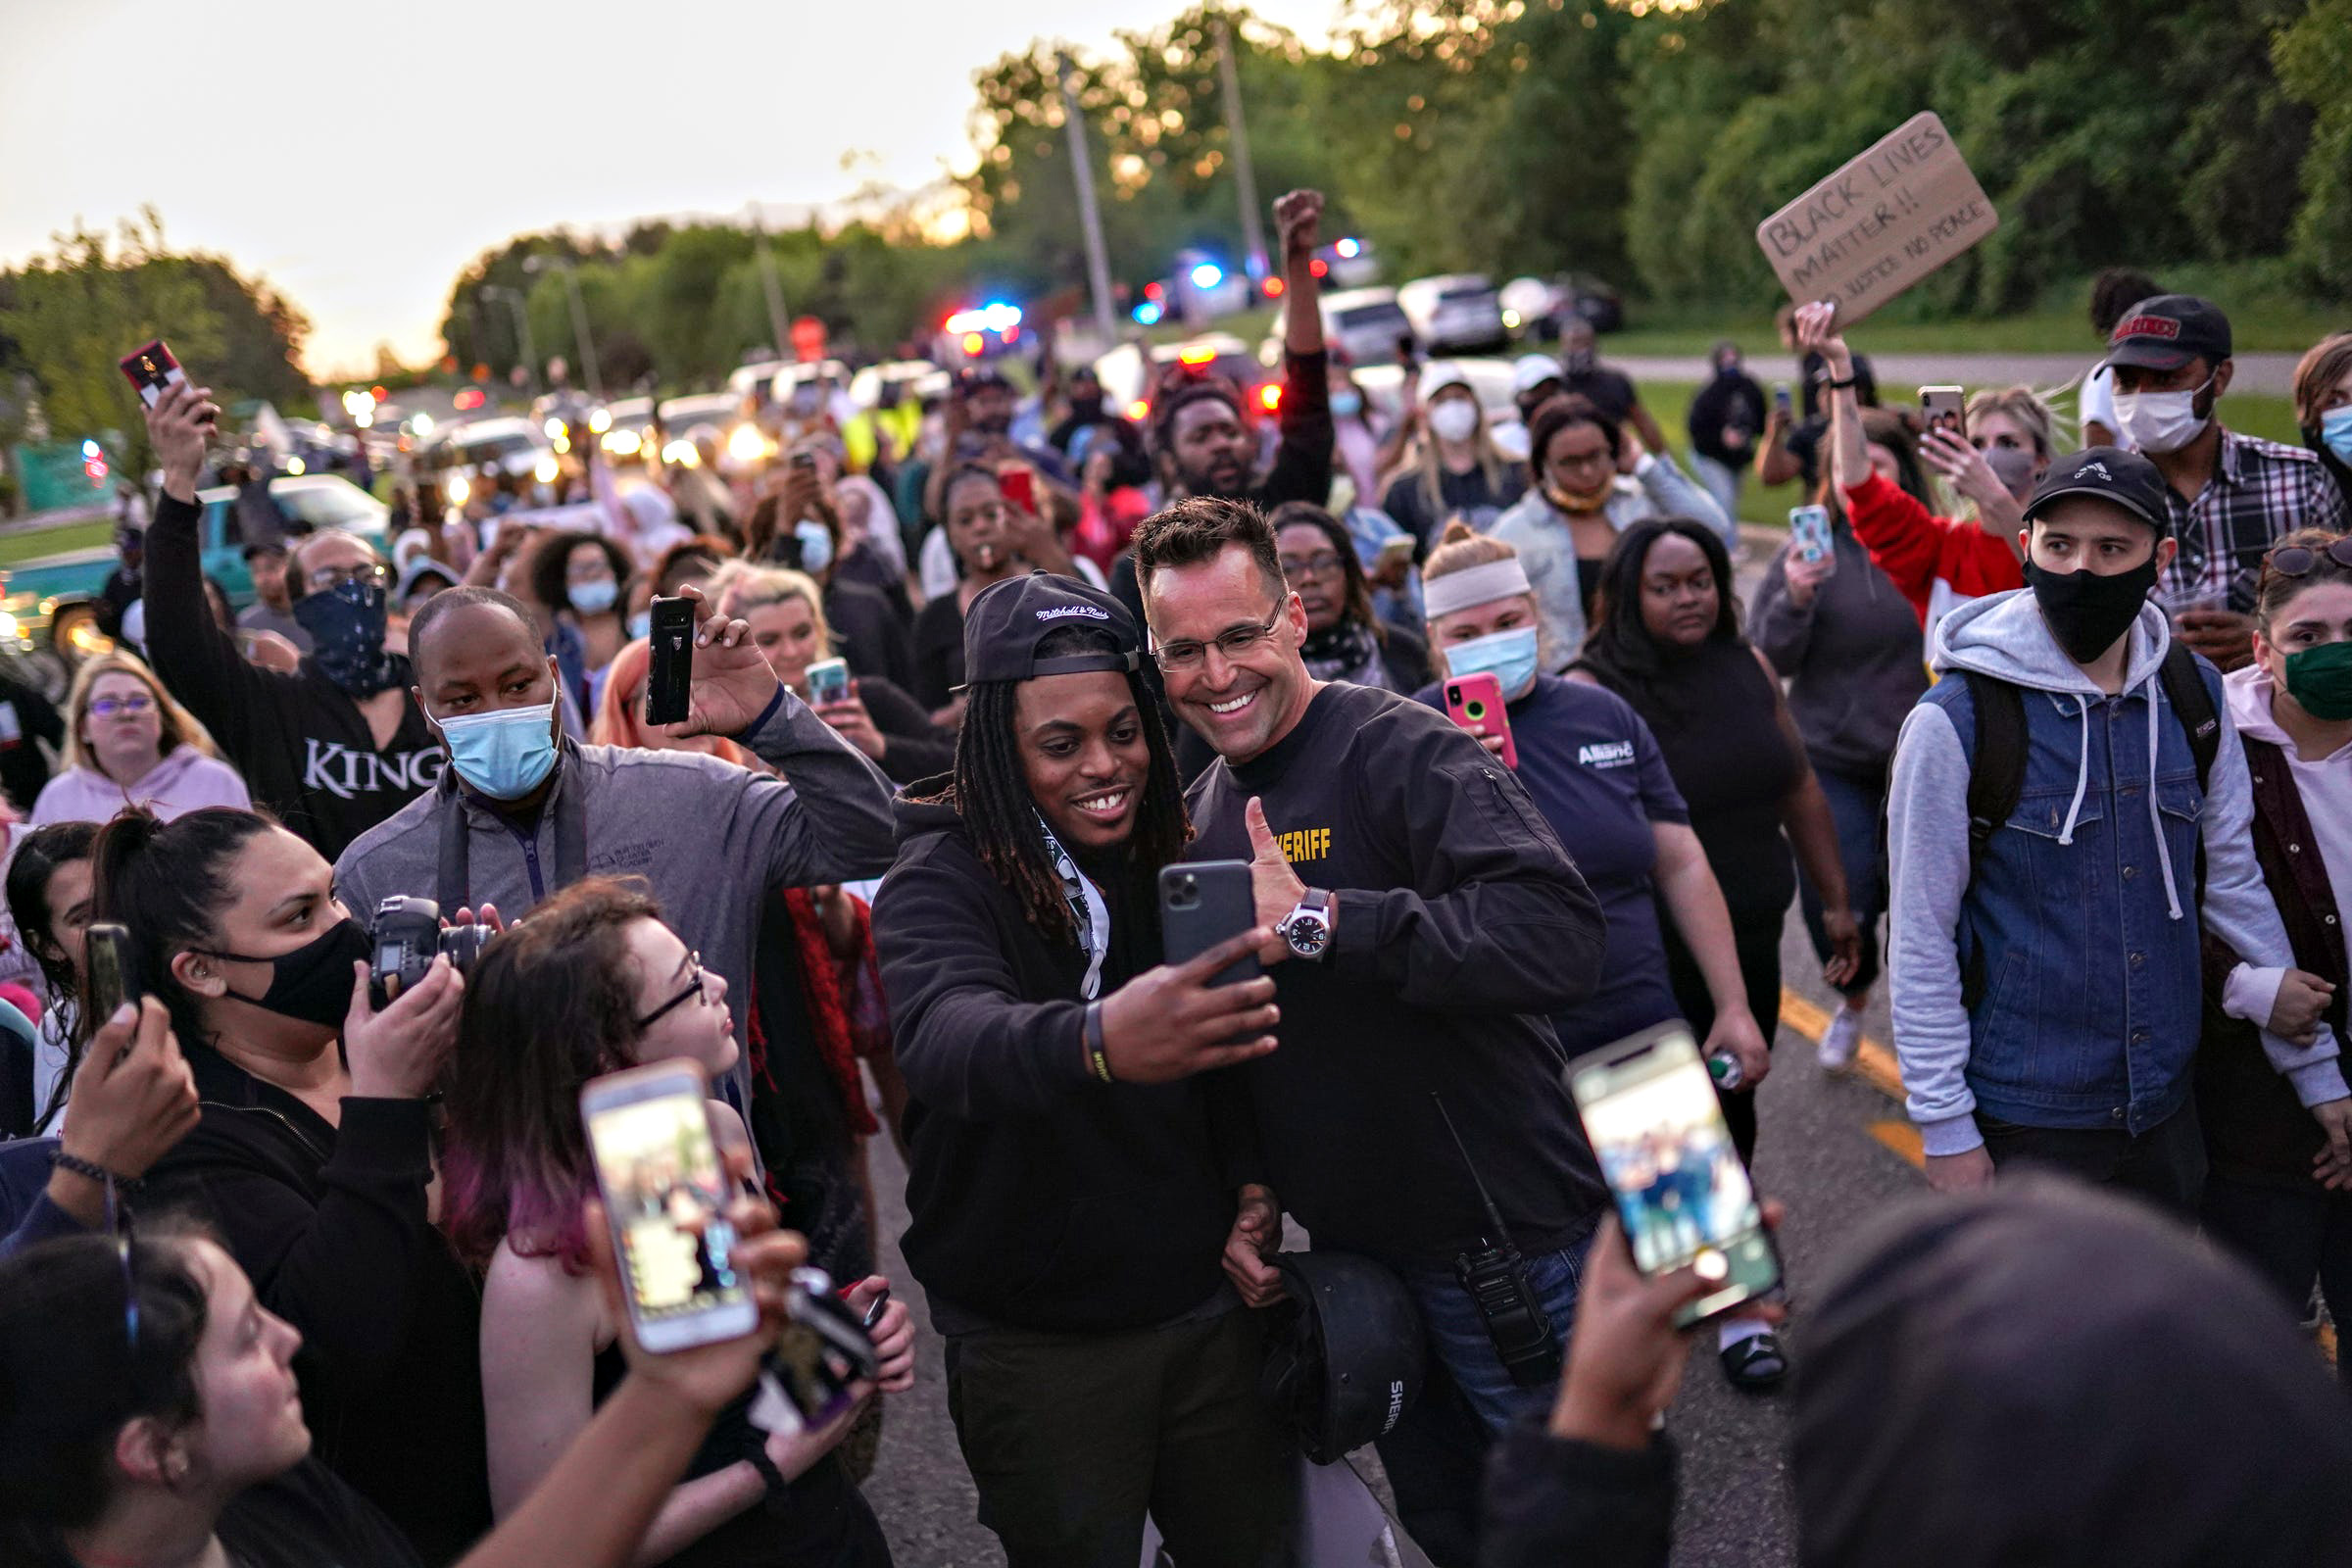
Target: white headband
{"type": "Point", "coordinates": [1474, 585]}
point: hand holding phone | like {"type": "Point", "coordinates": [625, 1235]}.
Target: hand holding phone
{"type": "Point", "coordinates": [1475, 702]}
{"type": "Point", "coordinates": [106, 961]}
{"type": "Point", "coordinates": [1809, 536]}
{"type": "Point", "coordinates": [1019, 485]}
{"type": "Point", "coordinates": [665, 1192]}
{"type": "Point", "coordinates": [1682, 1196]}
{"type": "Point", "coordinates": [152, 371]}
{"type": "Point", "coordinates": [1944, 407]}
{"type": "Point", "coordinates": [669, 670]}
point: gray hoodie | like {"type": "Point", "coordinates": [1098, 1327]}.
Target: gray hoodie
{"type": "Point", "coordinates": [2003, 635]}
{"type": "Point", "coordinates": [708, 837]}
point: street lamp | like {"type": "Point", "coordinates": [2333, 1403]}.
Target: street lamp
{"type": "Point", "coordinates": [579, 315]}
{"type": "Point", "coordinates": [523, 329]}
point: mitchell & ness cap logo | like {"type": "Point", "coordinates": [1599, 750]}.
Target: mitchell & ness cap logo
{"type": "Point", "coordinates": [1061, 611]}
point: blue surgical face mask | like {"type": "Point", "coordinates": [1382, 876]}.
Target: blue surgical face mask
{"type": "Point", "coordinates": [504, 754]}
{"type": "Point", "coordinates": [1509, 656]}
{"type": "Point", "coordinates": [1347, 405]}
{"type": "Point", "coordinates": [641, 626]}
{"type": "Point", "coordinates": [593, 598]}
{"type": "Point", "coordinates": [2336, 433]}
{"type": "Point", "coordinates": [817, 545]}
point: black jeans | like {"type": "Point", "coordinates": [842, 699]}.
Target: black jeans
{"type": "Point", "coordinates": [2166, 1164]}
{"type": "Point", "coordinates": [1073, 1438]}
{"type": "Point", "coordinates": [1757, 938]}
{"type": "Point", "coordinates": [2290, 1236]}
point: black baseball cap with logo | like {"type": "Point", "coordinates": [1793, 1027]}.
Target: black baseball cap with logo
{"type": "Point", "coordinates": [2125, 478]}
{"type": "Point", "coordinates": [2165, 332]}
{"type": "Point", "coordinates": [1010, 618]}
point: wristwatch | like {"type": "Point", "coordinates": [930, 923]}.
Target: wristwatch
{"type": "Point", "coordinates": [1307, 928]}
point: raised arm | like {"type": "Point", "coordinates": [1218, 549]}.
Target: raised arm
{"type": "Point", "coordinates": [1816, 331]}
{"type": "Point", "coordinates": [1303, 458]}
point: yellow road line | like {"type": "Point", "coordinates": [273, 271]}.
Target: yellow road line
{"type": "Point", "coordinates": [1873, 1062]}
{"type": "Point", "coordinates": [1902, 1137]}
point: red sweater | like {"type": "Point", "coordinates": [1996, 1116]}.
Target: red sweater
{"type": "Point", "coordinates": [1936, 562]}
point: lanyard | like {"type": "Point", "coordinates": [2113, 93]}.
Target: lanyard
{"type": "Point", "coordinates": [1090, 911]}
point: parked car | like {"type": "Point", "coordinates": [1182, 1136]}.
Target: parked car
{"type": "Point", "coordinates": [1537, 306]}
{"type": "Point", "coordinates": [1455, 314]}
{"type": "Point", "coordinates": [1130, 375]}
{"type": "Point", "coordinates": [1365, 324]}
{"type": "Point", "coordinates": [50, 598]}
{"type": "Point", "coordinates": [487, 448]}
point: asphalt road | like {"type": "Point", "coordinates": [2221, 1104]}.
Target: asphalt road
{"type": "Point", "coordinates": [1830, 1149]}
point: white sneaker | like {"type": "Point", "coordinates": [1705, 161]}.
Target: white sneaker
{"type": "Point", "coordinates": [1841, 1040]}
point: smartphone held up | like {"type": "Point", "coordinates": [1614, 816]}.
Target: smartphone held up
{"type": "Point", "coordinates": [1475, 702]}
{"type": "Point", "coordinates": [669, 672]}
{"type": "Point", "coordinates": [1682, 1193]}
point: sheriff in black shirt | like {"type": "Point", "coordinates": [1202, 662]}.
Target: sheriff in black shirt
{"type": "Point", "coordinates": [1430, 921]}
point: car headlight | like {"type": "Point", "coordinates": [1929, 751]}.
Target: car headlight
{"type": "Point", "coordinates": [682, 453]}
{"type": "Point", "coordinates": [11, 629]}
{"type": "Point", "coordinates": [457, 488]}
{"type": "Point", "coordinates": [601, 421]}
{"type": "Point", "coordinates": [544, 471]}
{"type": "Point", "coordinates": [747, 444]}
{"type": "Point", "coordinates": [623, 442]}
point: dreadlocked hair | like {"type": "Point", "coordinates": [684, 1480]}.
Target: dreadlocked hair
{"type": "Point", "coordinates": [989, 790]}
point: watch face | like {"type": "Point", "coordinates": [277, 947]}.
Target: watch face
{"type": "Point", "coordinates": [1305, 934]}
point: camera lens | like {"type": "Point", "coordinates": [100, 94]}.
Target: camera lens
{"type": "Point", "coordinates": [1475, 710]}
{"type": "Point", "coordinates": [464, 944]}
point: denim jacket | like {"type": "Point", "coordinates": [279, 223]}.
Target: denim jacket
{"type": "Point", "coordinates": [2083, 918]}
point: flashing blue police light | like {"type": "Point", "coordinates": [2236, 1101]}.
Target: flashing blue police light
{"type": "Point", "coordinates": [1208, 274]}
{"type": "Point", "coordinates": [1148, 314]}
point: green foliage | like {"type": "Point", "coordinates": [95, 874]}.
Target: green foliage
{"type": "Point", "coordinates": [67, 316]}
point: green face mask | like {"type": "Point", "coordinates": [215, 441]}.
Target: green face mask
{"type": "Point", "coordinates": [2321, 680]}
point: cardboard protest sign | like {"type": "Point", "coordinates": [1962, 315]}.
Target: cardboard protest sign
{"type": "Point", "coordinates": [1880, 224]}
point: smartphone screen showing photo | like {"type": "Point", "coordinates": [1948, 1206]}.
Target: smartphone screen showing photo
{"type": "Point", "coordinates": [666, 1187]}
{"type": "Point", "coordinates": [1682, 1196]}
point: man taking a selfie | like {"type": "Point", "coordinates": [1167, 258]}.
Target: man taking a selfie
{"type": "Point", "coordinates": [1070, 1182]}
{"type": "Point", "coordinates": [336, 746]}
{"type": "Point", "coordinates": [1429, 924]}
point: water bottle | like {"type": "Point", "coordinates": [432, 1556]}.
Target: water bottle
{"type": "Point", "coordinates": [1724, 1069]}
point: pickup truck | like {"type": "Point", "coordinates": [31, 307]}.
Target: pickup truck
{"type": "Point", "coordinates": [49, 597]}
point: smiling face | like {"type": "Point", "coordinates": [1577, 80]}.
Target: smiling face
{"type": "Point", "coordinates": [699, 1029]}
{"type": "Point", "coordinates": [1315, 573]}
{"type": "Point", "coordinates": [123, 727]}
{"type": "Point", "coordinates": [1240, 700]}
{"type": "Point", "coordinates": [785, 633]}
{"type": "Point", "coordinates": [1212, 449]}
{"type": "Point", "coordinates": [1679, 597]}
{"type": "Point", "coordinates": [1083, 753]}
{"type": "Point", "coordinates": [252, 1427]}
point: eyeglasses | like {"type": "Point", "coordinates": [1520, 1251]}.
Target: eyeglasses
{"type": "Point", "coordinates": [691, 992]}
{"type": "Point", "coordinates": [326, 579]}
{"type": "Point", "coordinates": [2296, 560]}
{"type": "Point", "coordinates": [1233, 644]}
{"type": "Point", "coordinates": [109, 706]}
{"type": "Point", "coordinates": [1320, 565]}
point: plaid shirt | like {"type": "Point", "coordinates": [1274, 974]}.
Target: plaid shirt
{"type": "Point", "coordinates": [2259, 491]}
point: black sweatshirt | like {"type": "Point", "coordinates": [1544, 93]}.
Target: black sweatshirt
{"type": "Point", "coordinates": [1461, 927]}
{"type": "Point", "coordinates": [1042, 1198]}
{"type": "Point", "coordinates": [331, 1224]}
{"type": "Point", "coordinates": [300, 741]}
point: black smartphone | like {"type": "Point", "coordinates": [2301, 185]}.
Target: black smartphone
{"type": "Point", "coordinates": [106, 954]}
{"type": "Point", "coordinates": [820, 1357]}
{"type": "Point", "coordinates": [1683, 1197]}
{"type": "Point", "coordinates": [671, 674]}
{"type": "Point", "coordinates": [1408, 354]}
{"type": "Point", "coordinates": [1206, 903]}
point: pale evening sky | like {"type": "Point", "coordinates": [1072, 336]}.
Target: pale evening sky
{"type": "Point", "coordinates": [359, 154]}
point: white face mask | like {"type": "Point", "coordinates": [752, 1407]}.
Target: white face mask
{"type": "Point", "coordinates": [2160, 422]}
{"type": "Point", "coordinates": [1454, 419]}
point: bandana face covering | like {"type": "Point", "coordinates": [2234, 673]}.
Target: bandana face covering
{"type": "Point", "coordinates": [346, 625]}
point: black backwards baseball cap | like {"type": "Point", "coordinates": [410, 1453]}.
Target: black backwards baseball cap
{"type": "Point", "coordinates": [1010, 618]}
{"type": "Point", "coordinates": [2125, 478]}
{"type": "Point", "coordinates": [2165, 332]}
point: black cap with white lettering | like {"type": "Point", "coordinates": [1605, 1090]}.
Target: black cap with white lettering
{"type": "Point", "coordinates": [2125, 478]}
{"type": "Point", "coordinates": [2165, 332]}
{"type": "Point", "coordinates": [1008, 619]}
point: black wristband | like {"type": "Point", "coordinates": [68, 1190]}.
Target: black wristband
{"type": "Point", "coordinates": [1098, 1062]}
{"type": "Point", "coordinates": [93, 1171]}
{"type": "Point", "coordinates": [1840, 386]}
{"type": "Point", "coordinates": [771, 1478]}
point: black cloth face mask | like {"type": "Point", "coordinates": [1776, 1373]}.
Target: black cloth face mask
{"type": "Point", "coordinates": [2085, 611]}
{"type": "Point", "coordinates": [312, 983]}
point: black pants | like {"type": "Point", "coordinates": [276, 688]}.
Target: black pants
{"type": "Point", "coordinates": [2166, 1164]}
{"type": "Point", "coordinates": [1757, 938]}
{"type": "Point", "coordinates": [1073, 1438]}
{"type": "Point", "coordinates": [2291, 1236]}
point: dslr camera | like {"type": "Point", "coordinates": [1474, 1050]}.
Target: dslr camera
{"type": "Point", "coordinates": [408, 934]}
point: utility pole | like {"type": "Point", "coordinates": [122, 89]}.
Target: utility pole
{"type": "Point", "coordinates": [1253, 235]}
{"type": "Point", "coordinates": [523, 330]}
{"type": "Point", "coordinates": [579, 315]}
{"type": "Point", "coordinates": [1090, 215]}
{"type": "Point", "coordinates": [779, 325]}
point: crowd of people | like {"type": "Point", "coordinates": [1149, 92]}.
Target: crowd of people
{"type": "Point", "coordinates": [2049, 726]}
